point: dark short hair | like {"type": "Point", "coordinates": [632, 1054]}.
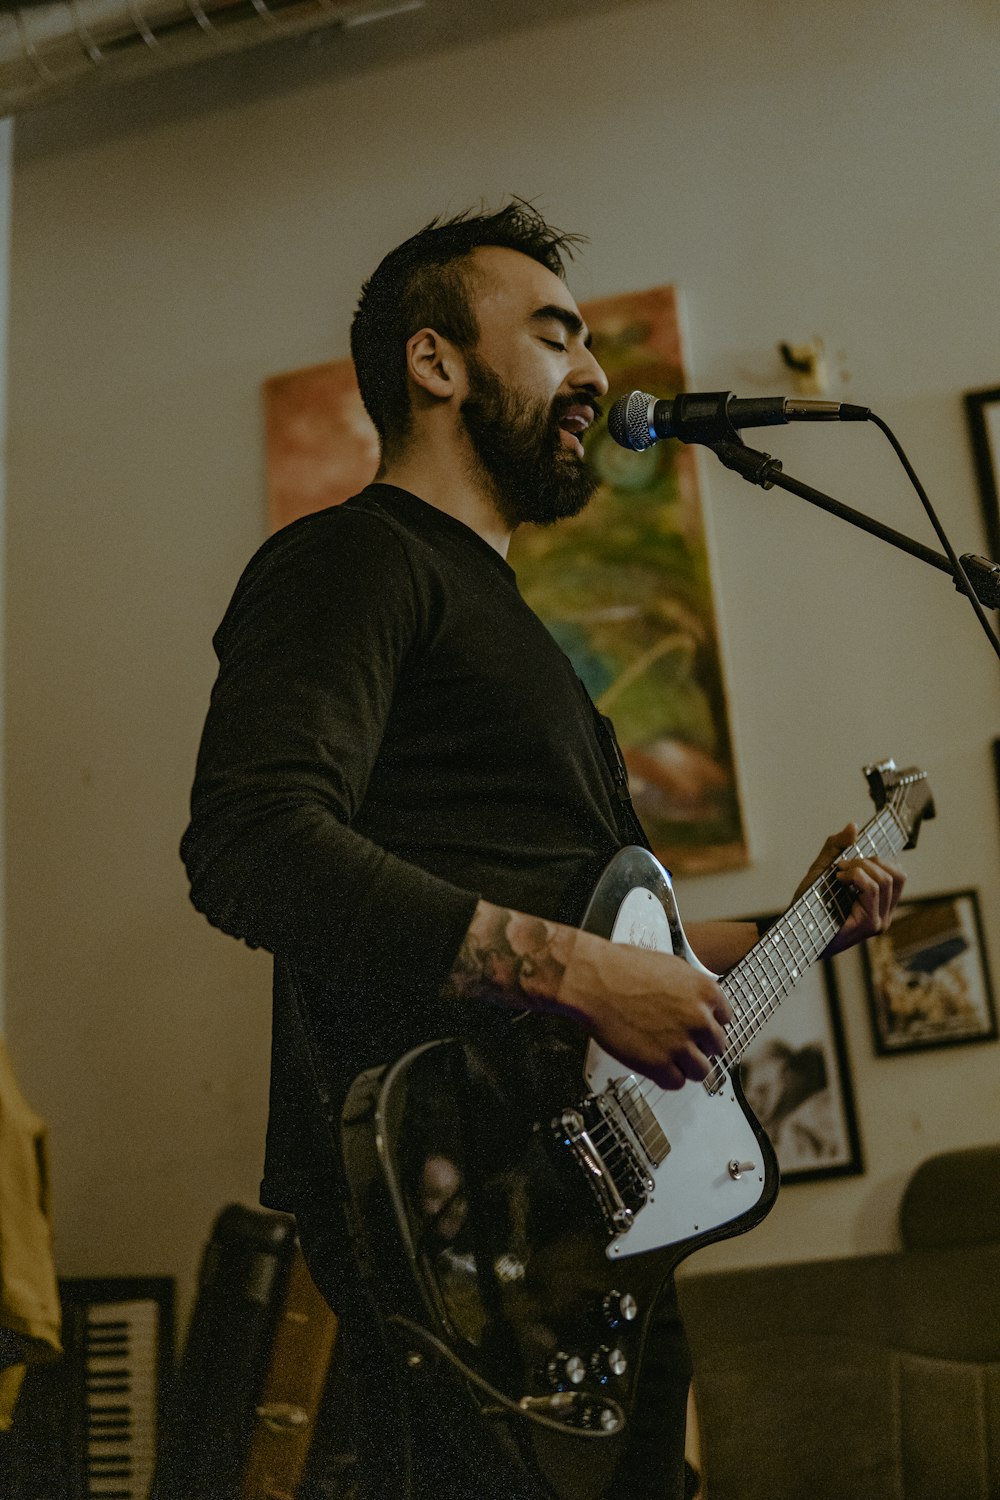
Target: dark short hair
{"type": "Point", "coordinates": [426, 282]}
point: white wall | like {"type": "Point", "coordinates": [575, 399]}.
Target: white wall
{"type": "Point", "coordinates": [796, 170]}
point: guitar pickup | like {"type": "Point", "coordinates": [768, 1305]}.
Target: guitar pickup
{"type": "Point", "coordinates": [640, 1119]}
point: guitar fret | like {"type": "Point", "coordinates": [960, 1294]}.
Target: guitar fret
{"type": "Point", "coordinates": [798, 942]}
{"type": "Point", "coordinates": [756, 986]}
{"type": "Point", "coordinates": [757, 969]}
{"type": "Point", "coordinates": [748, 1000]}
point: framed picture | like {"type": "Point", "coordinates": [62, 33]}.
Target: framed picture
{"type": "Point", "coordinates": [928, 980]}
{"type": "Point", "coordinates": [797, 1082]}
{"type": "Point", "coordinates": [982, 409]}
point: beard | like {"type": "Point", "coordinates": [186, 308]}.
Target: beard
{"type": "Point", "coordinates": [531, 474]}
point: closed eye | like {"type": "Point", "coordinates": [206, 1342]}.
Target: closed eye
{"type": "Point", "coordinates": [553, 344]}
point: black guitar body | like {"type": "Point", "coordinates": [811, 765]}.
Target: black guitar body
{"type": "Point", "coordinates": [519, 1200]}
{"type": "Point", "coordinates": [490, 1257]}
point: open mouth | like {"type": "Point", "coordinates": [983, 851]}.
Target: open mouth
{"type": "Point", "coordinates": [573, 424]}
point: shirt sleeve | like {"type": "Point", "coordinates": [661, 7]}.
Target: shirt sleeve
{"type": "Point", "coordinates": [320, 627]}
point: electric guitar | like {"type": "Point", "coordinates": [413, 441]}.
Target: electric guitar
{"type": "Point", "coordinates": [517, 1206]}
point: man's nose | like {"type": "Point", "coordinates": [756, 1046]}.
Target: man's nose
{"type": "Point", "coordinates": [589, 373]}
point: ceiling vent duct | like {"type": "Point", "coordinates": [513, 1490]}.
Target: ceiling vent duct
{"type": "Point", "coordinates": [46, 47]}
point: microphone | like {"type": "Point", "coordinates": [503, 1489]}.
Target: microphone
{"type": "Point", "coordinates": [639, 420]}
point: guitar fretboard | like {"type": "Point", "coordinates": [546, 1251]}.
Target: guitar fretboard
{"type": "Point", "coordinates": [756, 986]}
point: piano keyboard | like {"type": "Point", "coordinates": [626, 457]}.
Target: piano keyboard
{"type": "Point", "coordinates": [85, 1427]}
{"type": "Point", "coordinates": [120, 1356]}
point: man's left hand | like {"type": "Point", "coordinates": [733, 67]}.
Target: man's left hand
{"type": "Point", "coordinates": [876, 883]}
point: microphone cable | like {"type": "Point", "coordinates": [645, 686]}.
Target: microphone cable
{"type": "Point", "coordinates": [961, 577]}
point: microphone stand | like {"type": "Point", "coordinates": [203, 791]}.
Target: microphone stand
{"type": "Point", "coordinates": [976, 577]}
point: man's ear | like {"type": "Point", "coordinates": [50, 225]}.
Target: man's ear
{"type": "Point", "coordinates": [433, 363]}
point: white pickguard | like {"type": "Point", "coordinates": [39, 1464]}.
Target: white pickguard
{"type": "Point", "coordinates": [695, 1191]}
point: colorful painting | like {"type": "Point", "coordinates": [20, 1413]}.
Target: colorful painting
{"type": "Point", "coordinates": [321, 445]}
{"type": "Point", "coordinates": [624, 587]}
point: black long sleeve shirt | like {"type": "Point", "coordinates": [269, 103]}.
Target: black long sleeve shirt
{"type": "Point", "coordinates": [393, 734]}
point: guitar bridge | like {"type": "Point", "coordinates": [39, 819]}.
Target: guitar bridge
{"type": "Point", "coordinates": [599, 1136]}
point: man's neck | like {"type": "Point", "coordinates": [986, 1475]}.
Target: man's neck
{"type": "Point", "coordinates": [449, 487]}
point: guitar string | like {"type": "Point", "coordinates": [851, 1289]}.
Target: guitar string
{"type": "Point", "coordinates": [874, 838]}
{"type": "Point", "coordinates": [811, 937]}
{"type": "Point", "coordinates": [773, 980]}
{"type": "Point", "coordinates": [884, 834]}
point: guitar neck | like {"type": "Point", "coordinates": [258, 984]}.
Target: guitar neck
{"type": "Point", "coordinates": [756, 986]}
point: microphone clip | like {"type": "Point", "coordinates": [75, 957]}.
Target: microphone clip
{"type": "Point", "coordinates": [756, 467]}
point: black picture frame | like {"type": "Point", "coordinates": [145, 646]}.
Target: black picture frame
{"type": "Point", "coordinates": [797, 1080]}
{"type": "Point", "coordinates": [982, 411]}
{"type": "Point", "coordinates": [928, 977]}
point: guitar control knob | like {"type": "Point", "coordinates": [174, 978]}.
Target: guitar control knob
{"type": "Point", "coordinates": [566, 1369]}
{"type": "Point", "coordinates": [619, 1308]}
{"type": "Point", "coordinates": [607, 1361]}
{"type": "Point", "coordinates": [601, 1419]}
{"type": "Point", "coordinates": [608, 1420]}
{"type": "Point", "coordinates": [737, 1168]}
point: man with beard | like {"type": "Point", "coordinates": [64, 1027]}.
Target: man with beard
{"type": "Point", "coordinates": [406, 795]}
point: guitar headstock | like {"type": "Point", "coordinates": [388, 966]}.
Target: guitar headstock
{"type": "Point", "coordinates": [907, 793]}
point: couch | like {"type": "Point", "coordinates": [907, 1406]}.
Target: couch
{"type": "Point", "coordinates": [862, 1378]}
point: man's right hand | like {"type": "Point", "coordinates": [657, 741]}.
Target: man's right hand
{"type": "Point", "coordinates": [655, 1013]}
{"type": "Point", "coordinates": [652, 1011]}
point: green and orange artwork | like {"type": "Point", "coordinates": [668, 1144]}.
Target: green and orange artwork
{"type": "Point", "coordinates": [624, 587]}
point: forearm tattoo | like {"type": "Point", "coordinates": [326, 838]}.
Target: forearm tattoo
{"type": "Point", "coordinates": [507, 957]}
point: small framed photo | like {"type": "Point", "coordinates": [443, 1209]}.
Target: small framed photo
{"type": "Point", "coordinates": [928, 980]}
{"type": "Point", "coordinates": [982, 410]}
{"type": "Point", "coordinates": [797, 1082]}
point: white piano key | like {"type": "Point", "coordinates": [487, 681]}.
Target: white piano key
{"type": "Point", "coordinates": [120, 1365]}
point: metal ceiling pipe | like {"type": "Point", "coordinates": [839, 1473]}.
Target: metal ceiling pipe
{"type": "Point", "coordinates": [50, 45]}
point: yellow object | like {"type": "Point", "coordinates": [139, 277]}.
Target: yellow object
{"type": "Point", "coordinates": [692, 1443]}
{"type": "Point", "coordinates": [11, 1381]}
{"type": "Point", "coordinates": [30, 1317]}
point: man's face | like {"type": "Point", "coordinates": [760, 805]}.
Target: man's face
{"type": "Point", "coordinates": [532, 389]}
